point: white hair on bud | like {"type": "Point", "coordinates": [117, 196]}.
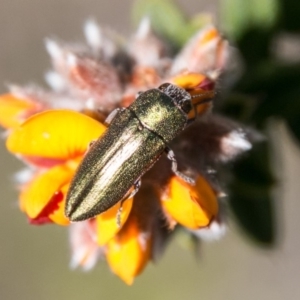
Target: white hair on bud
{"type": "Point", "coordinates": [144, 28]}
{"type": "Point", "coordinates": [142, 239]}
{"type": "Point", "coordinates": [85, 250]}
{"type": "Point", "coordinates": [233, 144]}
{"type": "Point", "coordinates": [213, 232]}
{"type": "Point", "coordinates": [90, 103]}
{"type": "Point", "coordinates": [53, 49]}
{"type": "Point", "coordinates": [23, 176]}
{"type": "Point", "coordinates": [71, 60]}
{"type": "Point", "coordinates": [93, 34]}
{"type": "Point", "coordinates": [55, 81]}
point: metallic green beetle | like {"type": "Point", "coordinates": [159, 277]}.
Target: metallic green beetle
{"type": "Point", "coordinates": [136, 138]}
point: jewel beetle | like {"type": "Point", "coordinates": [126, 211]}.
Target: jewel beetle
{"type": "Point", "coordinates": [135, 139]}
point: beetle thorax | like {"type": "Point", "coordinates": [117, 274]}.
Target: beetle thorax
{"type": "Point", "coordinates": [158, 111]}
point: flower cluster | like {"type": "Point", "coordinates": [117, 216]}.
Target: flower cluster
{"type": "Point", "coordinates": [52, 130]}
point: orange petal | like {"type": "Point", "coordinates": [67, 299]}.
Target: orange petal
{"type": "Point", "coordinates": [191, 206]}
{"type": "Point", "coordinates": [129, 251]}
{"type": "Point", "coordinates": [217, 50]}
{"type": "Point", "coordinates": [14, 111]}
{"type": "Point", "coordinates": [189, 80]}
{"type": "Point", "coordinates": [55, 134]}
{"type": "Point", "coordinates": [207, 52]}
{"type": "Point", "coordinates": [209, 35]}
{"type": "Point", "coordinates": [107, 224]}
{"type": "Point", "coordinates": [36, 199]}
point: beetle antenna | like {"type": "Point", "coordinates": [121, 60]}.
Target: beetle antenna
{"type": "Point", "coordinates": [202, 97]}
{"type": "Point", "coordinates": [203, 101]}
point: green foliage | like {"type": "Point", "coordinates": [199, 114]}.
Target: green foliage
{"type": "Point", "coordinates": [240, 16]}
{"type": "Point", "coordinates": [289, 15]}
{"type": "Point", "coordinates": [167, 19]}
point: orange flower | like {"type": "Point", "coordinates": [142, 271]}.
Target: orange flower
{"type": "Point", "coordinates": [54, 141]}
{"type": "Point", "coordinates": [87, 86]}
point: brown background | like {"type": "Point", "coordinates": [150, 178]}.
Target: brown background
{"type": "Point", "coordinates": [34, 260]}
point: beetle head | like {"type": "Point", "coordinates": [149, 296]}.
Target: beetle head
{"type": "Point", "coordinates": [181, 97]}
{"type": "Point", "coordinates": [193, 102]}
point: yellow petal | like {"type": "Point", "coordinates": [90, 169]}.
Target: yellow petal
{"type": "Point", "coordinates": [14, 111]}
{"type": "Point", "coordinates": [129, 251]}
{"type": "Point", "coordinates": [56, 134]}
{"type": "Point", "coordinates": [191, 206]}
{"type": "Point", "coordinates": [41, 197]}
{"type": "Point", "coordinates": [107, 224]}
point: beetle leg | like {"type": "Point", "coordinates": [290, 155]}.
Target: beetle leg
{"type": "Point", "coordinates": [137, 186]}
{"type": "Point", "coordinates": [171, 157]}
{"type": "Point", "coordinates": [118, 216]}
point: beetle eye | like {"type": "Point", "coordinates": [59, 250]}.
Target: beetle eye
{"type": "Point", "coordinates": [186, 106]}
{"type": "Point", "coordinates": [163, 87]}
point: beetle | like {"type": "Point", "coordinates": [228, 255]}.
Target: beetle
{"type": "Point", "coordinates": [135, 139]}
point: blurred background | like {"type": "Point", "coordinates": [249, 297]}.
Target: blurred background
{"type": "Point", "coordinates": [34, 260]}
